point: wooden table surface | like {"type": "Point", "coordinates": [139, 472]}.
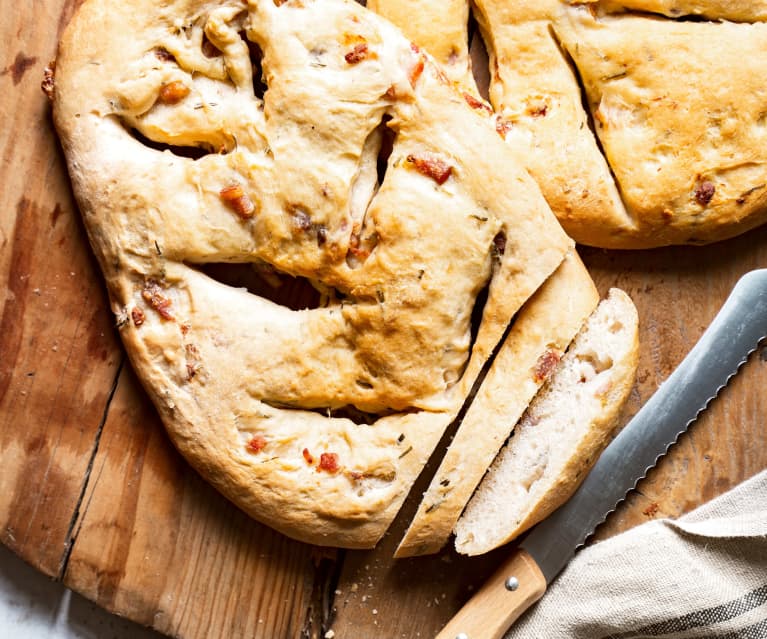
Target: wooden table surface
{"type": "Point", "coordinates": [93, 494]}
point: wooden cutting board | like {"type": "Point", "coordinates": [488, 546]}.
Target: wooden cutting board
{"type": "Point", "coordinates": [93, 494]}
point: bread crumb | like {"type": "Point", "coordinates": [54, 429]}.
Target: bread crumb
{"type": "Point", "coordinates": [330, 634]}
{"type": "Point", "coordinates": [354, 588]}
{"type": "Point", "coordinates": [375, 611]}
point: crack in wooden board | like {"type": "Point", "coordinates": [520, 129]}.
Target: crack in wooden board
{"type": "Point", "coordinates": [160, 546]}
{"type": "Point", "coordinates": [328, 563]}
{"type": "Point", "coordinates": [74, 528]}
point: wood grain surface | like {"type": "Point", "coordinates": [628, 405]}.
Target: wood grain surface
{"type": "Point", "coordinates": [92, 493]}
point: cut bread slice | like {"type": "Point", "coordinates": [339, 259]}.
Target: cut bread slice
{"type": "Point", "coordinates": [560, 435]}
{"type": "Point", "coordinates": [539, 336]}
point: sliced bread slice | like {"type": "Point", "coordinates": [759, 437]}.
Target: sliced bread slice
{"type": "Point", "coordinates": [561, 434]}
{"type": "Point", "coordinates": [541, 333]}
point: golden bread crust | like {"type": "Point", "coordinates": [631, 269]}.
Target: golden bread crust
{"type": "Point", "coordinates": [682, 125]}
{"type": "Point", "coordinates": [439, 26]}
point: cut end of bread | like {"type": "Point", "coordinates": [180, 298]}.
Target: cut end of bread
{"type": "Point", "coordinates": [560, 435]}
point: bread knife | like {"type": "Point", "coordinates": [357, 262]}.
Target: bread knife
{"type": "Point", "coordinates": [735, 333]}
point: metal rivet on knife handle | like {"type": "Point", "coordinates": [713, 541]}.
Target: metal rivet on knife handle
{"type": "Point", "coordinates": [515, 586]}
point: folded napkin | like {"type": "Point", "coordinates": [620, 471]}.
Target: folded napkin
{"type": "Point", "coordinates": [703, 575]}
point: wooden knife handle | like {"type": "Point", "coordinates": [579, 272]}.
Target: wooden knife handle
{"type": "Point", "coordinates": [500, 602]}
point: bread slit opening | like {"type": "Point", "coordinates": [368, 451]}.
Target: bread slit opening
{"type": "Point", "coordinates": [480, 63]}
{"type": "Point", "coordinates": [256, 56]}
{"type": "Point", "coordinates": [476, 312]}
{"type": "Point", "coordinates": [587, 110]}
{"type": "Point", "coordinates": [263, 280]}
{"type": "Point", "coordinates": [373, 165]}
{"type": "Point", "coordinates": [209, 50]}
{"type": "Point", "coordinates": [388, 136]}
{"type": "Point", "coordinates": [189, 152]}
{"type": "Point", "coordinates": [353, 414]}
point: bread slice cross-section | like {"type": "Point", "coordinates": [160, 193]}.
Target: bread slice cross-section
{"type": "Point", "coordinates": [561, 434]}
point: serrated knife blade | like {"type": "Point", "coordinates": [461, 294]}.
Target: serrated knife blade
{"type": "Point", "coordinates": [734, 334]}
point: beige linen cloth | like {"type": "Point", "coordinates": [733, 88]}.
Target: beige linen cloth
{"type": "Point", "coordinates": [703, 576]}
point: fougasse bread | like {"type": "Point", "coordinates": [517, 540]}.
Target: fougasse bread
{"type": "Point", "coordinates": [201, 133]}
{"type": "Point", "coordinates": [642, 120]}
